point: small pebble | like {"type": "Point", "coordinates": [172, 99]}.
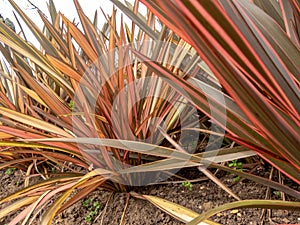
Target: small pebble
{"type": "Point", "coordinates": [234, 211]}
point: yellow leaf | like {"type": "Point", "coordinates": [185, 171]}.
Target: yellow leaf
{"type": "Point", "coordinates": [17, 205]}
{"type": "Point", "coordinates": [177, 211]}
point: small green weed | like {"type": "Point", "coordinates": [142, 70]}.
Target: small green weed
{"type": "Point", "coordinates": [93, 207]}
{"type": "Point", "coordinates": [277, 193]}
{"type": "Point", "coordinates": [10, 171]}
{"type": "Point", "coordinates": [236, 179]}
{"type": "Point", "coordinates": [86, 202]}
{"type": "Point", "coordinates": [235, 164]}
{"type": "Point", "coordinates": [188, 185]}
{"type": "Point", "coordinates": [71, 104]}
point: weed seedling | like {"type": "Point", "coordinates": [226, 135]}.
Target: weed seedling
{"type": "Point", "coordinates": [71, 105]}
{"type": "Point", "coordinates": [277, 193]}
{"type": "Point", "coordinates": [236, 179]}
{"type": "Point", "coordinates": [236, 165]}
{"type": "Point", "coordinates": [86, 202]}
{"type": "Point", "coordinates": [10, 171]}
{"type": "Point", "coordinates": [94, 209]}
{"type": "Point", "coordinates": [188, 185]}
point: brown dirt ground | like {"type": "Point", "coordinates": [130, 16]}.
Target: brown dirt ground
{"type": "Point", "coordinates": [204, 195]}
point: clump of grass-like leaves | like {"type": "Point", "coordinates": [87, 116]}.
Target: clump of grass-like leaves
{"type": "Point", "coordinates": [87, 104]}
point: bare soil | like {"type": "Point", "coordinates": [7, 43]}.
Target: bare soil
{"type": "Point", "coordinates": [203, 196]}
